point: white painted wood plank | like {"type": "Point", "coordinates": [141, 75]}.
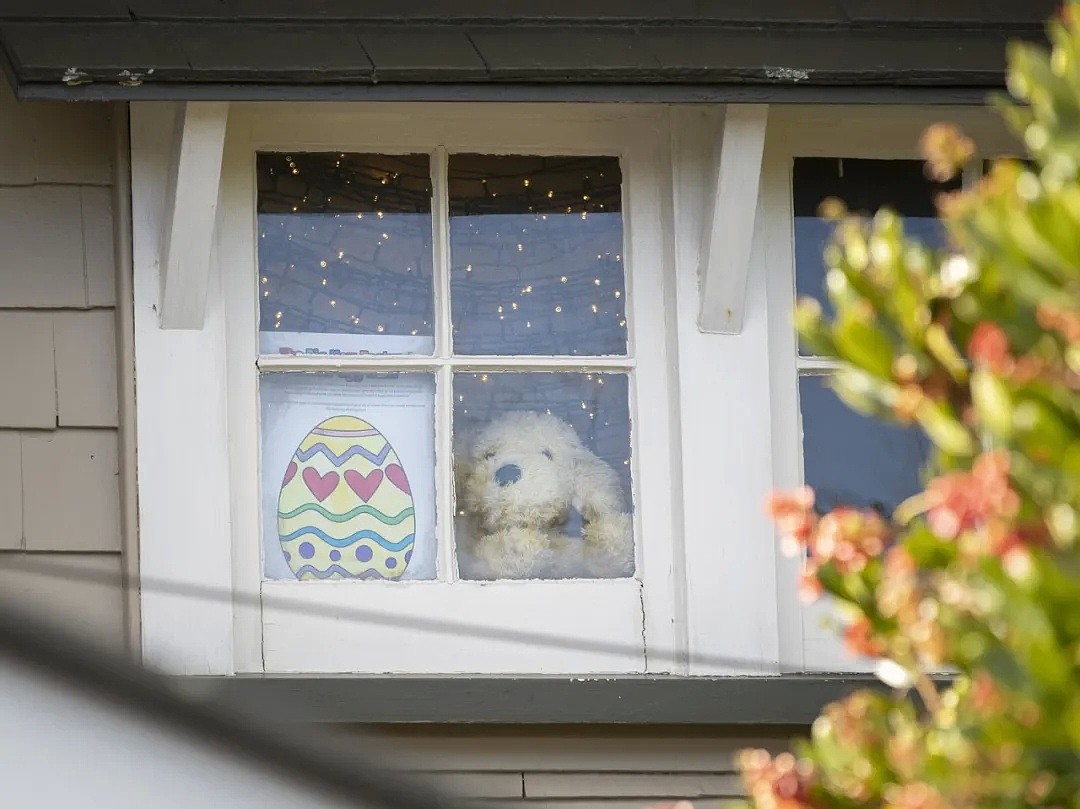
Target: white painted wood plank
{"type": "Point", "coordinates": [729, 223]}
{"type": "Point", "coordinates": [190, 212]}
{"type": "Point", "coordinates": [235, 241]}
{"type": "Point", "coordinates": [726, 447]}
{"type": "Point", "coordinates": [328, 626]}
{"type": "Point", "coordinates": [654, 393]}
{"type": "Point", "coordinates": [778, 223]}
{"type": "Point", "coordinates": [184, 510]}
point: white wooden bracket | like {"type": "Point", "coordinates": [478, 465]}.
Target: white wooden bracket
{"type": "Point", "coordinates": [731, 209]}
{"type": "Point", "coordinates": [190, 212]}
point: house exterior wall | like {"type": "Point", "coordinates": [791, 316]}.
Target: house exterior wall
{"type": "Point", "coordinates": [61, 497]}
{"type": "Point", "coordinates": [60, 534]}
{"type": "Point", "coordinates": [579, 767]}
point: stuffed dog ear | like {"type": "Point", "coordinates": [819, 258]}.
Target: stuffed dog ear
{"type": "Point", "coordinates": [596, 487]}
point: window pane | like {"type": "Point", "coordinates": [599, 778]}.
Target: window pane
{"type": "Point", "coordinates": [542, 464]}
{"type": "Point", "coordinates": [852, 460]}
{"type": "Point", "coordinates": [345, 254]}
{"type": "Point", "coordinates": [348, 475]}
{"type": "Point", "coordinates": [536, 254]}
{"type": "Point", "coordinates": [864, 186]}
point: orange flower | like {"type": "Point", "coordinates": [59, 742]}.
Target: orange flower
{"type": "Point", "coordinates": [989, 348]}
{"type": "Point", "coordinates": [777, 783]}
{"type": "Point", "coordinates": [849, 538]}
{"type": "Point", "coordinates": [986, 697]}
{"type": "Point", "coordinates": [946, 150]}
{"type": "Point", "coordinates": [794, 515]}
{"type": "Point", "coordinates": [1059, 319]}
{"type": "Point", "coordinates": [915, 795]}
{"type": "Point", "coordinates": [859, 639]}
{"type": "Point", "coordinates": [962, 501]}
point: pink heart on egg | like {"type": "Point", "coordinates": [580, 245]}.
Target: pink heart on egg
{"type": "Point", "coordinates": [320, 485]}
{"type": "Point", "coordinates": [364, 485]}
{"type": "Point", "coordinates": [396, 475]}
{"type": "Point", "coordinates": [290, 473]}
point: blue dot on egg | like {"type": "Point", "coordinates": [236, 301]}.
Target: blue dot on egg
{"type": "Point", "coordinates": [363, 553]}
{"type": "Point", "coordinates": [335, 556]}
{"type": "Point", "coordinates": [391, 563]}
{"type": "Point", "coordinates": [307, 550]}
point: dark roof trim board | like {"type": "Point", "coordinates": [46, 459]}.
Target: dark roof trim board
{"type": "Point", "coordinates": [777, 49]}
{"type": "Point", "coordinates": [629, 700]}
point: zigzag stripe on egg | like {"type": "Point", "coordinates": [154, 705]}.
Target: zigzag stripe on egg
{"type": "Point", "coordinates": [346, 509]}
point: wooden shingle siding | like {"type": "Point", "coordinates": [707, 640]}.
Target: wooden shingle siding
{"type": "Point", "coordinates": [576, 768]}
{"type": "Point", "coordinates": [28, 392]}
{"type": "Point", "coordinates": [89, 606]}
{"type": "Point", "coordinates": [70, 496]}
{"type": "Point", "coordinates": [85, 346]}
{"type": "Point", "coordinates": [11, 525]}
{"type": "Point", "coordinates": [98, 249]}
{"type": "Point", "coordinates": [59, 496]}
{"type": "Point", "coordinates": [42, 142]}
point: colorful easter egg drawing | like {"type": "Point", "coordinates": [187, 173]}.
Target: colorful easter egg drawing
{"type": "Point", "coordinates": [345, 510]}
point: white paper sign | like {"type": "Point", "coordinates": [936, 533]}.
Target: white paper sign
{"type": "Point", "coordinates": [334, 344]}
{"type": "Point", "coordinates": [400, 406]}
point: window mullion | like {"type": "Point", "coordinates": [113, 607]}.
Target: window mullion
{"type": "Point", "coordinates": [444, 405]}
{"type": "Point", "coordinates": [440, 222]}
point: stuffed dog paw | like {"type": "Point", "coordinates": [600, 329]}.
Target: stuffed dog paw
{"type": "Point", "coordinates": [538, 504]}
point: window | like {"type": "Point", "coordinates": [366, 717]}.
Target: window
{"type": "Point", "coordinates": [447, 334]}
{"type": "Point", "coordinates": [535, 268]}
{"type": "Point", "coordinates": [848, 459]}
{"type": "Point", "coordinates": [332, 456]}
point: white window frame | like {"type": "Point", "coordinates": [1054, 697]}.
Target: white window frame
{"type": "Point", "coordinates": [715, 597]}
{"type": "Point", "coordinates": [205, 380]}
{"type": "Point", "coordinates": [807, 644]}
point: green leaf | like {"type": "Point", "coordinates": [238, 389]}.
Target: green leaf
{"type": "Point", "coordinates": [944, 429]}
{"type": "Point", "coordinates": [992, 402]}
{"type": "Point", "coordinates": [943, 350]}
{"type": "Point", "coordinates": [861, 344]}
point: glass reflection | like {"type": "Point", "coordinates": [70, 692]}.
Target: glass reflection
{"type": "Point", "coordinates": [536, 255]}
{"type": "Point", "coordinates": [542, 465]}
{"type": "Point", "coordinates": [345, 258]}
{"type": "Point", "coordinates": [856, 461]}
{"type": "Point", "coordinates": [864, 186]}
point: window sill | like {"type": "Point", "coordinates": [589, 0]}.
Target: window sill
{"type": "Point", "coordinates": [637, 700]}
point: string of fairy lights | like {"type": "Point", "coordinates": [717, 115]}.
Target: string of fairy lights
{"type": "Point", "coordinates": [345, 247]}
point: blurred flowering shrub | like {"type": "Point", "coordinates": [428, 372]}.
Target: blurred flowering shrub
{"type": "Point", "coordinates": [980, 572]}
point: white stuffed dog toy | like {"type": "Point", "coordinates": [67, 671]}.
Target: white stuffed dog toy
{"type": "Point", "coordinates": [540, 504]}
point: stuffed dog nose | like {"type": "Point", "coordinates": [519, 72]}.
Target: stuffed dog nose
{"type": "Point", "coordinates": [508, 474]}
